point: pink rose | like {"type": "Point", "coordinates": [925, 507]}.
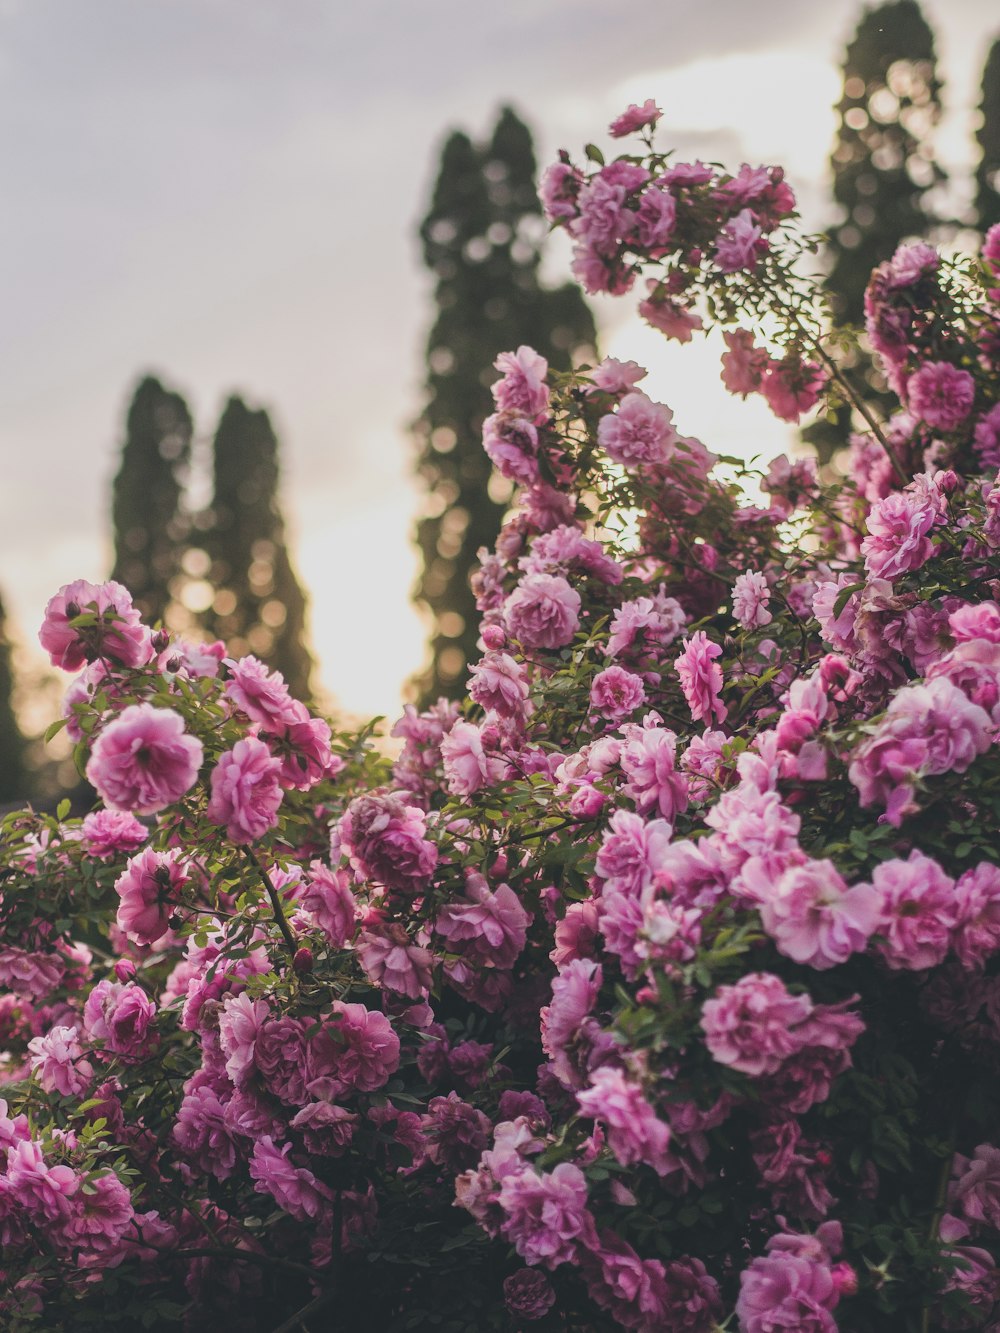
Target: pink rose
{"type": "Point", "coordinates": [246, 790]}
{"type": "Point", "coordinates": [144, 760]}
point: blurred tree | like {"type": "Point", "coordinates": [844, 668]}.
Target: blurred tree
{"type": "Point", "coordinates": [14, 779]}
{"type": "Point", "coordinates": [258, 605]}
{"type": "Point", "coordinates": [150, 527]}
{"type": "Point", "coordinates": [988, 137]}
{"type": "Point", "coordinates": [482, 240]}
{"type": "Point", "coordinates": [883, 166]}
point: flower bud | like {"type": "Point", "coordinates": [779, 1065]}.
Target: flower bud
{"type": "Point", "coordinates": [303, 960]}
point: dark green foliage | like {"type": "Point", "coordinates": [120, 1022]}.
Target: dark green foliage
{"type": "Point", "coordinates": [482, 240]}
{"type": "Point", "coordinates": [150, 527]}
{"type": "Point", "coordinates": [13, 772]}
{"type": "Point", "coordinates": [988, 138]}
{"type": "Point", "coordinates": [883, 166]}
{"type": "Point", "coordinates": [259, 606]}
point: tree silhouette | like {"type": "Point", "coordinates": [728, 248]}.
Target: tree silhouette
{"type": "Point", "coordinates": [14, 780]}
{"type": "Point", "coordinates": [258, 606]}
{"type": "Point", "coordinates": [482, 240]}
{"type": "Point", "coordinates": [988, 138]}
{"type": "Point", "coordinates": [150, 528]}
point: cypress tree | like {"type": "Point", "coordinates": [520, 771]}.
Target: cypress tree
{"type": "Point", "coordinates": [482, 240]}
{"type": "Point", "coordinates": [150, 527]}
{"type": "Point", "coordinates": [14, 786]}
{"type": "Point", "coordinates": [259, 606]}
{"type": "Point", "coordinates": [988, 137]}
{"type": "Point", "coordinates": [883, 166]}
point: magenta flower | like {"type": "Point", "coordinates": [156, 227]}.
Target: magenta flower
{"type": "Point", "coordinates": [120, 1016]}
{"type": "Point", "coordinates": [546, 1216]}
{"type": "Point", "coordinates": [941, 395]}
{"type": "Point", "coordinates": [386, 841]}
{"type": "Point", "coordinates": [634, 118]}
{"type": "Point", "coordinates": [246, 790]}
{"type": "Point", "coordinates": [144, 760]}
{"type": "Point", "coordinates": [293, 1188]}
{"type": "Point", "coordinates": [701, 678]}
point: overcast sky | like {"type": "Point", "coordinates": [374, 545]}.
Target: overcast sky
{"type": "Point", "coordinates": [225, 192]}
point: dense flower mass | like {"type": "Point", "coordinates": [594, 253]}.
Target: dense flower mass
{"type": "Point", "coordinates": [656, 985]}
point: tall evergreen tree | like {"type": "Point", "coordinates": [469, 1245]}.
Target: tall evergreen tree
{"type": "Point", "coordinates": [259, 606]}
{"type": "Point", "coordinates": [883, 166]}
{"type": "Point", "coordinates": [482, 240]}
{"type": "Point", "coordinates": [988, 136]}
{"type": "Point", "coordinates": [149, 524]}
{"type": "Point", "coordinates": [14, 782]}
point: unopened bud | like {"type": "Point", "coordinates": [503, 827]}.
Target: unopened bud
{"type": "Point", "coordinates": [303, 960]}
{"type": "Point", "coordinates": [124, 969]}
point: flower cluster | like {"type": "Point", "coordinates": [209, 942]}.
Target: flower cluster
{"type": "Point", "coordinates": [656, 986]}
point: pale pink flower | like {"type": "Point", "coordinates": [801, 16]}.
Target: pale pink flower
{"type": "Point", "coordinates": [648, 760]}
{"type": "Point", "coordinates": [751, 595]}
{"type": "Point", "coordinates": [328, 898]}
{"type": "Point", "coordinates": [118, 634]}
{"type": "Point", "coordinates": [522, 388]}
{"type": "Point", "coordinates": [740, 243]}
{"type": "Point", "coordinates": [239, 1027]}
{"type": "Point", "coordinates": [361, 1053]}
{"type": "Point", "coordinates": [490, 927]}
{"type": "Point", "coordinates": [635, 1132]}
{"type": "Point", "coordinates": [467, 766]}
{"type": "Point", "coordinates": [574, 993]}
{"type": "Point", "coordinates": [639, 432]}
{"type": "Point", "coordinates": [744, 363]}
{"type": "Point", "coordinates": [107, 833]}
{"type": "Point", "coordinates": [673, 319]}
{"type": "Point", "coordinates": [614, 376]}
{"type": "Point", "coordinates": [246, 790]}
{"type": "Point", "coordinates": [499, 684]}
{"type": "Point", "coordinates": [258, 692]}
{"type": "Point", "coordinates": [57, 1061]}
{"type": "Point", "coordinates": [918, 911]}
{"type": "Point", "coordinates": [701, 678]}
{"type": "Point", "coordinates": [977, 905]}
{"type": "Point", "coordinates": [391, 961]}
{"type": "Point", "coordinates": [144, 760]}
{"type": "Point", "coordinates": [899, 528]}
{"type": "Point", "coordinates": [814, 918]}
{"type": "Point", "coordinates": [792, 387]}
{"type": "Point", "coordinates": [543, 611]}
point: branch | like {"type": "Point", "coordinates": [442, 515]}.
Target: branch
{"type": "Point", "coordinates": [279, 912]}
{"type": "Point", "coordinates": [297, 1320]}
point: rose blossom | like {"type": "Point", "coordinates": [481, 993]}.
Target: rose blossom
{"type": "Point", "coordinates": [148, 889]}
{"type": "Point", "coordinates": [543, 611]}
{"type": "Point", "coordinates": [118, 635]}
{"type": "Point", "coordinates": [701, 677]}
{"type": "Point", "coordinates": [750, 598]}
{"type": "Point", "coordinates": [528, 1294]}
{"type": "Point", "coordinates": [634, 118]}
{"type": "Point", "coordinates": [108, 832]}
{"type": "Point", "coordinates": [918, 910]}
{"type": "Point", "coordinates": [121, 1017]}
{"type": "Point", "coordinates": [640, 432]}
{"type": "Point", "coordinates": [546, 1216]}
{"type": "Point", "coordinates": [246, 790]}
{"type": "Point", "coordinates": [57, 1060]}
{"type": "Point", "coordinates": [814, 918]}
{"type": "Point", "coordinates": [616, 693]}
{"type": "Point", "coordinates": [635, 1132]}
{"type": "Point", "coordinates": [977, 905]}
{"type": "Point", "coordinates": [295, 1189]}
{"type": "Point", "coordinates": [144, 760]}
{"type": "Point", "coordinates": [941, 394]}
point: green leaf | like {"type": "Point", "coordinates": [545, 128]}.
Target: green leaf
{"type": "Point", "coordinates": [594, 154]}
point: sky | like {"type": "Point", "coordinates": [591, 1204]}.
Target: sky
{"type": "Point", "coordinates": [225, 193]}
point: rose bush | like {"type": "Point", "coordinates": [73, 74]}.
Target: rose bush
{"type": "Point", "coordinates": [655, 988]}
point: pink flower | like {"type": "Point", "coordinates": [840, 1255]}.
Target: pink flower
{"type": "Point", "coordinates": [511, 443]}
{"type": "Point", "coordinates": [927, 729]}
{"type": "Point", "coordinates": [941, 395]}
{"type": "Point", "coordinates": [543, 611]}
{"type": "Point", "coordinates": [614, 376]}
{"type": "Point", "coordinates": [102, 1215]}
{"type": "Point", "coordinates": [116, 634]}
{"type": "Point", "coordinates": [751, 595]}
{"type": "Point", "coordinates": [755, 1025]}
{"type": "Point", "coordinates": [261, 694]}
{"type": "Point", "coordinates": [106, 833]}
{"type": "Point", "coordinates": [522, 388]}
{"type": "Point", "coordinates": [616, 693]}
{"type": "Point", "coordinates": [120, 1016]}
{"type": "Point", "coordinates": [635, 118]}
{"type": "Point", "coordinates": [987, 438]}
{"type": "Point", "coordinates": [701, 678]}
{"type": "Point", "coordinates": [740, 243]}
{"type": "Point", "coordinates": [239, 1027]}
{"type": "Point", "coordinates": [327, 897]}
{"type": "Point", "coordinates": [814, 918]}
{"type": "Point", "coordinates": [144, 760]}
{"type": "Point", "coordinates": [977, 906]}
{"type": "Point", "coordinates": [201, 1132]}
{"type": "Point", "coordinates": [918, 911]}
{"type": "Point", "coordinates": [574, 993]}
{"type": "Point", "coordinates": [467, 766]}
{"type": "Point", "coordinates": [655, 219]}
{"type": "Point", "coordinates": [558, 190]}
{"type": "Point", "coordinates": [490, 928]}
{"type": "Point", "coordinates": [673, 319]}
{"type": "Point", "coordinates": [386, 841]}
{"type": "Point", "coordinates": [293, 1188]}
{"type": "Point", "coordinates": [57, 1060]}
{"type": "Point", "coordinates": [640, 432]}
{"type": "Point", "coordinates": [356, 1049]}
{"type": "Point", "coordinates": [499, 685]}
{"type": "Point", "coordinates": [975, 1189]}
{"type": "Point", "coordinates": [744, 363]}
{"type": "Point", "coordinates": [898, 529]}
{"type": "Point", "coordinates": [635, 1132]}
{"type": "Point", "coordinates": [787, 1292]}
{"type": "Point", "coordinates": [391, 961]}
{"type": "Point", "coordinates": [148, 889]}
{"type": "Point", "coordinates": [632, 850]}
{"type": "Point", "coordinates": [649, 762]}
{"type": "Point", "coordinates": [792, 387]}
{"type": "Point", "coordinates": [246, 790]}
{"type": "Point", "coordinates": [546, 1216]}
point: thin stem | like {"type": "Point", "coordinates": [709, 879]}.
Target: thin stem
{"type": "Point", "coordinates": [279, 912]}
{"type": "Point", "coordinates": [297, 1320]}
{"type": "Point", "coordinates": [241, 1256]}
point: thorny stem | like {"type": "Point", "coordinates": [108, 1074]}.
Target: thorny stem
{"type": "Point", "coordinates": [279, 912]}
{"type": "Point", "coordinates": [935, 1223]}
